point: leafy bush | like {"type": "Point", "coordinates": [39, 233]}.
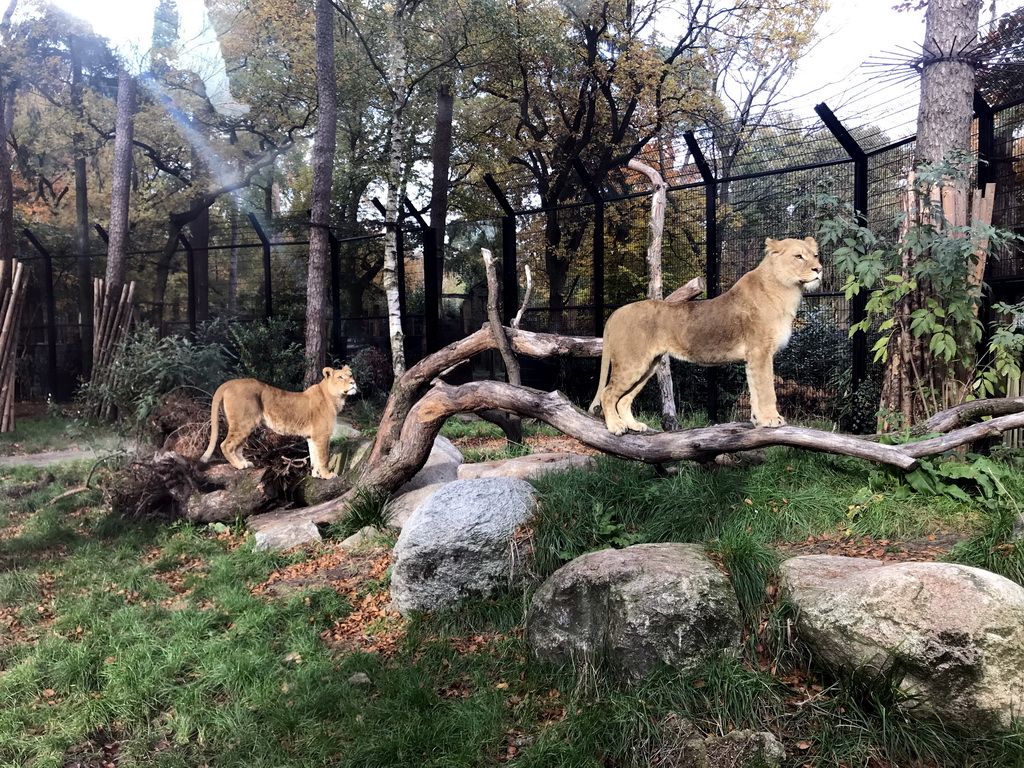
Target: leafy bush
{"type": "Point", "coordinates": [146, 368]}
{"type": "Point", "coordinates": [268, 350]}
{"type": "Point", "coordinates": [372, 371]}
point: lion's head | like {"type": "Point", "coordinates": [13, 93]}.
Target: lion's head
{"type": "Point", "coordinates": [794, 262]}
{"type": "Point", "coordinates": [339, 381]}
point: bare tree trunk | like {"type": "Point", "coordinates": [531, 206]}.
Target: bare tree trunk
{"type": "Point", "coordinates": [323, 172]}
{"type": "Point", "coordinates": [233, 257]}
{"type": "Point", "coordinates": [441, 156]}
{"type": "Point", "coordinates": [112, 298]}
{"type": "Point", "coordinates": [947, 80]}
{"type": "Point", "coordinates": [943, 125]}
{"type": "Point", "coordinates": [117, 230]}
{"type": "Point", "coordinates": [420, 404]}
{"type": "Point", "coordinates": [199, 229]}
{"type": "Point", "coordinates": [81, 210]}
{"type": "Point", "coordinates": [7, 89]}
{"type": "Point", "coordinates": [655, 289]}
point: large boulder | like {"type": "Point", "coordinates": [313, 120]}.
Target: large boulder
{"type": "Point", "coordinates": [461, 543]}
{"type": "Point", "coordinates": [638, 608]}
{"type": "Point", "coordinates": [953, 636]}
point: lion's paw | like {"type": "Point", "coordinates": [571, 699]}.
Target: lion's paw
{"type": "Point", "coordinates": [771, 421]}
{"type": "Point", "coordinates": [617, 429]}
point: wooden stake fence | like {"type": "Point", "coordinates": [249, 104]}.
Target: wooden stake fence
{"type": "Point", "coordinates": [12, 299]}
{"type": "Point", "coordinates": [111, 321]}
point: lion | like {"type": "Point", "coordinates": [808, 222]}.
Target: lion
{"type": "Point", "coordinates": [750, 322]}
{"type": "Point", "coordinates": [310, 414]}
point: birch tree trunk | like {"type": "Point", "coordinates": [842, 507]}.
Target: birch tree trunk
{"type": "Point", "coordinates": [320, 217]}
{"type": "Point", "coordinates": [655, 288]}
{"type": "Point", "coordinates": [397, 64]}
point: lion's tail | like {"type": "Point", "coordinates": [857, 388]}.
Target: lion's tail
{"type": "Point", "coordinates": [214, 424]}
{"type": "Point", "coordinates": [602, 380]}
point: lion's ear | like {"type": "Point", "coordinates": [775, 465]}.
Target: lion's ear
{"type": "Point", "coordinates": [771, 245]}
{"type": "Point", "coordinates": [812, 242]}
{"type": "Point", "coordinates": [327, 372]}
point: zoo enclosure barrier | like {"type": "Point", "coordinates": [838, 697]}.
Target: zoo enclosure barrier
{"type": "Point", "coordinates": [715, 227]}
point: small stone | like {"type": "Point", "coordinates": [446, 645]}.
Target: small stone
{"type": "Point", "coordinates": [286, 535]}
{"type": "Point", "coordinates": [359, 680]}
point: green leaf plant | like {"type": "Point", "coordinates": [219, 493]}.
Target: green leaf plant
{"type": "Point", "coordinates": [934, 258]}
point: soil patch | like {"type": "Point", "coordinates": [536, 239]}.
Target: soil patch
{"type": "Point", "coordinates": [926, 549]}
{"type": "Point", "coordinates": [371, 626]}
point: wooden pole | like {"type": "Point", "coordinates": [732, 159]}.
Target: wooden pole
{"type": "Point", "coordinates": [10, 318]}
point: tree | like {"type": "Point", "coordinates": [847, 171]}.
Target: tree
{"type": "Point", "coordinates": [8, 85]}
{"type": "Point", "coordinates": [411, 56]}
{"type": "Point", "coordinates": [124, 129]}
{"type": "Point", "coordinates": [943, 128]}
{"type": "Point", "coordinates": [320, 216]}
{"type": "Point", "coordinates": [587, 84]}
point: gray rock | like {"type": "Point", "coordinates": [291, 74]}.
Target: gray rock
{"type": "Point", "coordinates": [286, 535]}
{"type": "Point", "coordinates": [952, 635]}
{"type": "Point", "coordinates": [403, 506]}
{"type": "Point", "coordinates": [459, 544]}
{"type": "Point", "coordinates": [526, 467]}
{"type": "Point", "coordinates": [1017, 534]}
{"type": "Point", "coordinates": [352, 453]}
{"type": "Point", "coordinates": [638, 608]}
{"type": "Point", "coordinates": [442, 466]}
{"type": "Point", "coordinates": [359, 680]}
{"type": "Point", "coordinates": [682, 746]}
{"type": "Point", "coordinates": [360, 537]}
{"type": "Point", "coordinates": [345, 429]}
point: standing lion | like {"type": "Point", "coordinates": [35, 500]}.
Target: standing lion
{"type": "Point", "coordinates": [751, 322]}
{"type": "Point", "coordinates": [310, 414]}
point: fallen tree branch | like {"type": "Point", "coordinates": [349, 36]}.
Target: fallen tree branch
{"type": "Point", "coordinates": [420, 404]}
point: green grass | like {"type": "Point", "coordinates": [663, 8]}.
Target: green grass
{"type": "Point", "coordinates": [57, 431]}
{"type": "Point", "coordinates": [150, 635]}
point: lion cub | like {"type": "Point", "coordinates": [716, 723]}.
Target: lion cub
{"type": "Point", "coordinates": [310, 414]}
{"type": "Point", "coordinates": [750, 322]}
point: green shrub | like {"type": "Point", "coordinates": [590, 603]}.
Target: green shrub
{"type": "Point", "coordinates": [269, 350]}
{"type": "Point", "coordinates": [146, 368]}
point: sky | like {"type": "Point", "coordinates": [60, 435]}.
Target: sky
{"type": "Point", "coordinates": [854, 33]}
{"type": "Point", "coordinates": [851, 33]}
{"type": "Point", "coordinates": [128, 24]}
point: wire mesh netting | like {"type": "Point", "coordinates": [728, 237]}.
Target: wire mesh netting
{"type": "Point", "coordinates": [587, 258]}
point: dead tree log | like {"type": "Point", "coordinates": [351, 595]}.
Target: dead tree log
{"type": "Point", "coordinates": [420, 404]}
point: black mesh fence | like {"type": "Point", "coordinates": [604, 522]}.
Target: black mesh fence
{"type": "Point", "coordinates": [587, 258]}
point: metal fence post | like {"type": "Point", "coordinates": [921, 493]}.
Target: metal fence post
{"type": "Point", "coordinates": [51, 315]}
{"type": "Point", "coordinates": [431, 294]}
{"type": "Point", "coordinates": [712, 250]}
{"type": "Point", "coordinates": [190, 275]}
{"type": "Point", "coordinates": [336, 337]}
{"type": "Point", "coordinates": [509, 272]}
{"type": "Point", "coordinates": [598, 277]}
{"type": "Point", "coordinates": [268, 293]}
{"type": "Point", "coordinates": [858, 306]}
